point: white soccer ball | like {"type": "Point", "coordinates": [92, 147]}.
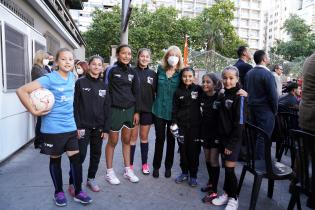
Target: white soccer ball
{"type": "Point", "coordinates": [42, 99]}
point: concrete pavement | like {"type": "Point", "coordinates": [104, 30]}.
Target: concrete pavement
{"type": "Point", "coordinates": [26, 184]}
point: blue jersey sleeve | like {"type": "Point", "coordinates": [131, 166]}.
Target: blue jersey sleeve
{"type": "Point", "coordinates": [44, 81]}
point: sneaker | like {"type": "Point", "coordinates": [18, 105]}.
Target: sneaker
{"type": "Point", "coordinates": [232, 204]}
{"type": "Point", "coordinates": [60, 199]}
{"type": "Point", "coordinates": [193, 182]}
{"type": "Point", "coordinates": [71, 190]}
{"type": "Point", "coordinates": [145, 169]}
{"type": "Point", "coordinates": [91, 183]}
{"type": "Point", "coordinates": [208, 198]}
{"type": "Point", "coordinates": [131, 176]}
{"type": "Point", "coordinates": [112, 178]}
{"type": "Point", "coordinates": [221, 200]}
{"type": "Point", "coordinates": [168, 173]}
{"type": "Point", "coordinates": [181, 178]}
{"type": "Point", "coordinates": [83, 198]}
{"type": "Point", "coordinates": [155, 173]}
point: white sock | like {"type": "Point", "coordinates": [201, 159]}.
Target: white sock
{"type": "Point", "coordinates": [110, 170]}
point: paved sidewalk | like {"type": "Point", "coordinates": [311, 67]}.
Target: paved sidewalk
{"type": "Point", "coordinates": [26, 184]}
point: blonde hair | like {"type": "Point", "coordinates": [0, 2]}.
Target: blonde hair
{"type": "Point", "coordinates": [40, 55]}
{"type": "Point", "coordinates": [164, 62]}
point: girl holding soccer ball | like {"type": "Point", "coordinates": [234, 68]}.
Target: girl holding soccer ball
{"type": "Point", "coordinates": [58, 126]}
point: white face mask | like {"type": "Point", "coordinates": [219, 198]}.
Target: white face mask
{"type": "Point", "coordinates": [173, 60]}
{"type": "Point", "coordinates": [79, 71]}
{"type": "Point", "coordinates": [45, 62]}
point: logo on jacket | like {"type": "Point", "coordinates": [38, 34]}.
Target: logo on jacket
{"type": "Point", "coordinates": [228, 103]}
{"type": "Point", "coordinates": [181, 97]}
{"type": "Point", "coordinates": [150, 80]}
{"type": "Point", "coordinates": [102, 93]}
{"type": "Point", "coordinates": [194, 95]}
{"type": "Point", "coordinates": [130, 77]}
{"type": "Point", "coordinates": [117, 75]}
{"type": "Point", "coordinates": [86, 89]}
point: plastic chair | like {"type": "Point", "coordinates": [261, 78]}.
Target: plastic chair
{"type": "Point", "coordinates": [305, 157]}
{"type": "Point", "coordinates": [267, 168]}
{"type": "Point", "coordinates": [285, 122]}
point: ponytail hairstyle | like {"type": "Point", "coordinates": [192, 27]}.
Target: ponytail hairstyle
{"type": "Point", "coordinates": [140, 51]}
{"type": "Point", "coordinates": [237, 74]}
{"type": "Point", "coordinates": [215, 80]}
{"type": "Point", "coordinates": [182, 72]}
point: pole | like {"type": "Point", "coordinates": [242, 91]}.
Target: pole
{"type": "Point", "coordinates": [124, 33]}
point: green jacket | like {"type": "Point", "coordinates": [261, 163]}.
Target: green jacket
{"type": "Point", "coordinates": [166, 87]}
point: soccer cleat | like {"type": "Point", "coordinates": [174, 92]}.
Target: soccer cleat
{"type": "Point", "coordinates": [181, 178]}
{"type": "Point", "coordinates": [130, 175]}
{"type": "Point", "coordinates": [83, 198]}
{"type": "Point", "coordinates": [145, 169]}
{"type": "Point", "coordinates": [221, 200]}
{"type": "Point", "coordinates": [112, 178]}
{"type": "Point", "coordinates": [232, 204]}
{"type": "Point", "coordinates": [60, 199]}
{"type": "Point", "coordinates": [91, 183]}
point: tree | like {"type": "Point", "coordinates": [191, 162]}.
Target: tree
{"type": "Point", "coordinates": [103, 32]}
{"type": "Point", "coordinates": [302, 43]}
{"type": "Point", "coordinates": [216, 29]}
{"type": "Point", "coordinates": [162, 28]}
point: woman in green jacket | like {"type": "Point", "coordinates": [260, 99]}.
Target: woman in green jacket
{"type": "Point", "coordinates": [168, 81]}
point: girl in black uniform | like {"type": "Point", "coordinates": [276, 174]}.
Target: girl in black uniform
{"type": "Point", "coordinates": [90, 113]}
{"type": "Point", "coordinates": [123, 89]}
{"type": "Point", "coordinates": [147, 79]}
{"type": "Point", "coordinates": [231, 114]}
{"type": "Point", "coordinates": [211, 85]}
{"type": "Point", "coordinates": [186, 114]}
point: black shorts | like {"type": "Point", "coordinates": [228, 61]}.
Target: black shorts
{"type": "Point", "coordinates": [211, 143]}
{"type": "Point", "coordinates": [146, 118]}
{"type": "Point", "coordinates": [234, 155]}
{"type": "Point", "coordinates": [57, 144]}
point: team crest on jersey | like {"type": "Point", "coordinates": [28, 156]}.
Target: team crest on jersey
{"type": "Point", "coordinates": [130, 77]}
{"type": "Point", "coordinates": [194, 95]}
{"type": "Point", "coordinates": [150, 80]}
{"type": "Point", "coordinates": [228, 103]}
{"type": "Point", "coordinates": [102, 93]}
{"type": "Point", "coordinates": [86, 89]}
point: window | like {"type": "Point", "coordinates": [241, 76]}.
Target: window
{"type": "Point", "coordinates": [39, 46]}
{"type": "Point", "coordinates": [52, 43]}
{"type": "Point", "coordinates": [16, 56]}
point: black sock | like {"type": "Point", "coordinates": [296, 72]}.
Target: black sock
{"type": "Point", "coordinates": [144, 152]}
{"type": "Point", "coordinates": [56, 173]}
{"type": "Point", "coordinates": [209, 172]}
{"type": "Point", "coordinates": [215, 173]}
{"type": "Point", "coordinates": [76, 171]}
{"type": "Point", "coordinates": [132, 153]}
{"type": "Point", "coordinates": [230, 182]}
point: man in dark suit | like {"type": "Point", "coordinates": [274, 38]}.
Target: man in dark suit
{"type": "Point", "coordinates": [242, 63]}
{"type": "Point", "coordinates": [262, 98]}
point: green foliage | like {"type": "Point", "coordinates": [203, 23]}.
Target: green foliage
{"type": "Point", "coordinates": [162, 28]}
{"type": "Point", "coordinates": [302, 43]}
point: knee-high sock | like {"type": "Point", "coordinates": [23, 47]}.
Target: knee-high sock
{"type": "Point", "coordinates": [56, 173]}
{"type": "Point", "coordinates": [144, 152]}
{"type": "Point", "coordinates": [230, 182]}
{"type": "Point", "coordinates": [209, 171]}
{"type": "Point", "coordinates": [76, 171]}
{"type": "Point", "coordinates": [132, 153]}
{"type": "Point", "coordinates": [214, 177]}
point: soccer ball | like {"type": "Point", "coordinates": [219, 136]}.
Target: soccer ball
{"type": "Point", "coordinates": [42, 99]}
